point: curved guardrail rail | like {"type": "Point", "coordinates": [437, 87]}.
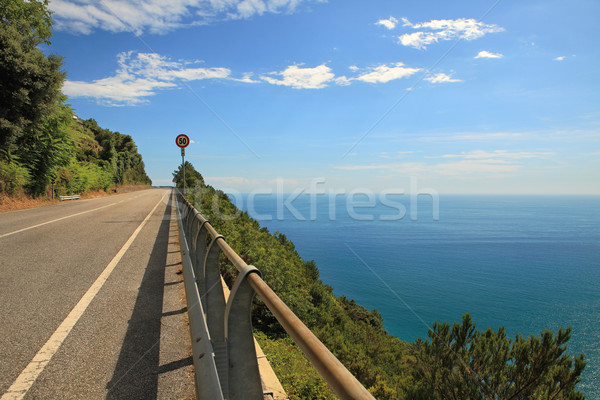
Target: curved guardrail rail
{"type": "Point", "coordinates": [223, 345]}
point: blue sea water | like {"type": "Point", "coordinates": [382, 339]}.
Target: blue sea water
{"type": "Point", "coordinates": [528, 263]}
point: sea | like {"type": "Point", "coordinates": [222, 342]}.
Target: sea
{"type": "Point", "coordinates": [527, 263]}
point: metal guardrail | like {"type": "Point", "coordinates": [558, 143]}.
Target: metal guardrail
{"type": "Point", "coordinates": [222, 341]}
{"type": "Point", "coordinates": [73, 197]}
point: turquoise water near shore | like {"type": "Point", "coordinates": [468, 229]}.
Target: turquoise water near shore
{"type": "Point", "coordinates": [528, 263]}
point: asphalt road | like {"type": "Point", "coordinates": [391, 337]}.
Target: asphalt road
{"type": "Point", "coordinates": [130, 341]}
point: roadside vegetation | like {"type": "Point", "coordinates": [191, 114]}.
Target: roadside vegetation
{"type": "Point", "coordinates": [42, 142]}
{"type": "Point", "coordinates": [456, 361]}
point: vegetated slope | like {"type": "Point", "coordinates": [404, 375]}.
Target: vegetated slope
{"type": "Point", "coordinates": [40, 140]}
{"type": "Point", "coordinates": [77, 156]}
{"type": "Point", "coordinates": [455, 361]}
{"type": "Point", "coordinates": [108, 154]}
{"type": "Point", "coordinates": [354, 334]}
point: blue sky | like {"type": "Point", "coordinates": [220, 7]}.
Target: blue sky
{"type": "Point", "coordinates": [464, 97]}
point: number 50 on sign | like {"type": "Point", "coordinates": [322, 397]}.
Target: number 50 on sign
{"type": "Point", "coordinates": [182, 141]}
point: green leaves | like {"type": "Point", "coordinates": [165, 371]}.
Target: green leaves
{"type": "Point", "coordinates": [31, 18]}
{"type": "Point", "coordinates": [13, 176]}
{"type": "Point", "coordinates": [48, 149]}
{"type": "Point", "coordinates": [193, 178]}
{"type": "Point", "coordinates": [354, 334]}
{"type": "Point", "coordinates": [30, 81]}
{"type": "Point", "coordinates": [119, 155]}
{"type": "Point", "coordinates": [464, 363]}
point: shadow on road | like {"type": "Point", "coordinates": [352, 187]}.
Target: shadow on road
{"type": "Point", "coordinates": [137, 370]}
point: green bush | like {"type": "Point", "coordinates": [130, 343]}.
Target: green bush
{"type": "Point", "coordinates": [80, 177]}
{"type": "Point", "coordinates": [13, 176]}
{"type": "Point", "coordinates": [296, 374]}
{"type": "Point", "coordinates": [352, 333]}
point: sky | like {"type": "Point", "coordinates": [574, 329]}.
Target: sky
{"type": "Point", "coordinates": [492, 96]}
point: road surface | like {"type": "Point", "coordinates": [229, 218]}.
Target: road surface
{"type": "Point", "coordinates": [91, 302]}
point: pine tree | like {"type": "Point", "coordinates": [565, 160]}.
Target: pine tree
{"type": "Point", "coordinates": [192, 177]}
{"type": "Point", "coordinates": [460, 362]}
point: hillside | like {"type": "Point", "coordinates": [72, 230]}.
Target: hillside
{"type": "Point", "coordinates": [455, 361]}
{"type": "Point", "coordinates": [41, 140]}
{"type": "Point", "coordinates": [77, 156]}
{"type": "Point", "coordinates": [354, 334]}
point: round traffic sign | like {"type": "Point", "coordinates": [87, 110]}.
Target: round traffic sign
{"type": "Point", "coordinates": [182, 140]}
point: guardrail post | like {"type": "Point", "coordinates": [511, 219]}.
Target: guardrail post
{"type": "Point", "coordinates": [193, 233]}
{"type": "Point", "coordinates": [199, 257]}
{"type": "Point", "coordinates": [214, 308]}
{"type": "Point", "coordinates": [189, 219]}
{"type": "Point", "coordinates": [244, 376]}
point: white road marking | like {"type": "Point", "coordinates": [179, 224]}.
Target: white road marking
{"type": "Point", "coordinates": [58, 219]}
{"type": "Point", "coordinates": [19, 388]}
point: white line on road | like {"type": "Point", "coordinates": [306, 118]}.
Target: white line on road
{"type": "Point", "coordinates": [19, 388]}
{"type": "Point", "coordinates": [58, 219]}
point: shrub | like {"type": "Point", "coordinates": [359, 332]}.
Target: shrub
{"type": "Point", "coordinates": [13, 176]}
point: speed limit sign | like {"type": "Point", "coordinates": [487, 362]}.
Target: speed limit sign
{"type": "Point", "coordinates": [182, 141]}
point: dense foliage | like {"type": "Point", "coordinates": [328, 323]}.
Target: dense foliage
{"type": "Point", "coordinates": [30, 82]}
{"type": "Point", "coordinates": [457, 363]}
{"type": "Point", "coordinates": [76, 156]}
{"type": "Point", "coordinates": [117, 154]}
{"type": "Point", "coordinates": [41, 141]}
{"type": "Point", "coordinates": [460, 362]}
{"type": "Point", "coordinates": [192, 177]}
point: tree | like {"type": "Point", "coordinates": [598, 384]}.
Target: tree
{"type": "Point", "coordinates": [49, 149]}
{"type": "Point", "coordinates": [119, 155]}
{"type": "Point", "coordinates": [192, 177]}
{"type": "Point", "coordinates": [460, 362]}
{"type": "Point", "coordinates": [30, 81]}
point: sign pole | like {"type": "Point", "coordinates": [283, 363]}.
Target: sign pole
{"type": "Point", "coordinates": [183, 166]}
{"type": "Point", "coordinates": [182, 141]}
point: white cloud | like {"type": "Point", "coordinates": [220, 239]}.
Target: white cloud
{"type": "Point", "coordinates": [487, 136]}
{"type": "Point", "coordinates": [115, 91]}
{"type": "Point", "coordinates": [342, 81]}
{"type": "Point", "coordinates": [138, 76]}
{"type": "Point", "coordinates": [284, 181]}
{"type": "Point", "coordinates": [157, 16]}
{"type": "Point", "coordinates": [462, 167]}
{"type": "Point", "coordinates": [388, 23]}
{"type": "Point", "coordinates": [360, 167]}
{"type": "Point", "coordinates": [502, 154]}
{"type": "Point", "coordinates": [418, 40]}
{"type": "Point", "coordinates": [445, 29]}
{"type": "Point", "coordinates": [248, 8]}
{"type": "Point", "coordinates": [247, 78]}
{"type": "Point", "coordinates": [397, 154]}
{"type": "Point", "coordinates": [385, 73]}
{"type": "Point", "coordinates": [302, 78]}
{"type": "Point", "coordinates": [487, 54]}
{"type": "Point", "coordinates": [493, 167]}
{"type": "Point", "coordinates": [441, 78]}
{"type": "Point", "coordinates": [561, 58]}
{"type": "Point", "coordinates": [231, 181]}
{"type": "Point", "coordinates": [404, 168]}
{"type": "Point", "coordinates": [498, 163]}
